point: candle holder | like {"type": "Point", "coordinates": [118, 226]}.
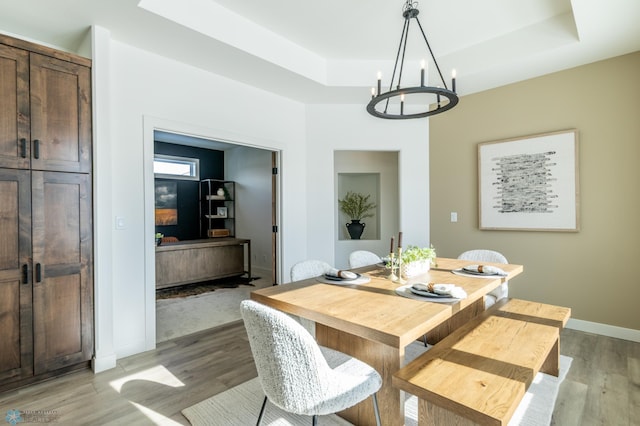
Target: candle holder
{"type": "Point", "coordinates": [392, 276]}
{"type": "Point", "coordinates": [399, 278]}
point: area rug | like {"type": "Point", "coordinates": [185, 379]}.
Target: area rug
{"type": "Point", "coordinates": [203, 287]}
{"type": "Point", "coordinates": [239, 406]}
{"type": "Point", "coordinates": [180, 316]}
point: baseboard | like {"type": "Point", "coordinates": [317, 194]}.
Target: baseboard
{"type": "Point", "coordinates": [604, 330]}
{"type": "Point", "coordinates": [103, 363]}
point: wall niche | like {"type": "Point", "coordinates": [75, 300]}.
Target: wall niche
{"type": "Point", "coordinates": [373, 173]}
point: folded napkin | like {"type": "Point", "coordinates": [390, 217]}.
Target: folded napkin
{"type": "Point", "coordinates": [484, 270]}
{"type": "Point", "coordinates": [345, 275]}
{"type": "Point", "coordinates": [442, 289]}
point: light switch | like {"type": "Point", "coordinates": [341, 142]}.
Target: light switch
{"type": "Point", "coordinates": [454, 216]}
{"type": "Point", "coordinates": [120, 223]}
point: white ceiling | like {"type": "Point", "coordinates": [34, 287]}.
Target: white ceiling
{"type": "Point", "coordinates": [330, 51]}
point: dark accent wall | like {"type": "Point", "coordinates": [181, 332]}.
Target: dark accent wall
{"type": "Point", "coordinates": [211, 167]}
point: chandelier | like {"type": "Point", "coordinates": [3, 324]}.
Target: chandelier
{"type": "Point", "coordinates": [437, 99]}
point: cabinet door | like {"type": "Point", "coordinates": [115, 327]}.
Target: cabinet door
{"type": "Point", "coordinates": [60, 115]}
{"type": "Point", "coordinates": [14, 108]}
{"type": "Point", "coordinates": [16, 348]}
{"type": "Point", "coordinates": [62, 283]}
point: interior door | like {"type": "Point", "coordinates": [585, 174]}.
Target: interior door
{"type": "Point", "coordinates": [62, 290]}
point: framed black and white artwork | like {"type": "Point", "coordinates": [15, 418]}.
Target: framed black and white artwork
{"type": "Point", "coordinates": [530, 183]}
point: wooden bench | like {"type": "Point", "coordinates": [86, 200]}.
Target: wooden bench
{"type": "Point", "coordinates": [480, 372]}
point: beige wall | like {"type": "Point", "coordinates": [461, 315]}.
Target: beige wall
{"type": "Point", "coordinates": [595, 271]}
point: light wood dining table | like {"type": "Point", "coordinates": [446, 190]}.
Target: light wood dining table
{"type": "Point", "coordinates": [374, 324]}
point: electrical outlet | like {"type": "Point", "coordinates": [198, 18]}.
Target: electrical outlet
{"type": "Point", "coordinates": [454, 216]}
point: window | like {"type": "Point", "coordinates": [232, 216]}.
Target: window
{"type": "Point", "coordinates": [170, 167]}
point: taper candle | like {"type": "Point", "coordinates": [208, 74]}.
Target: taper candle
{"type": "Point", "coordinates": [453, 80]}
{"type": "Point", "coordinates": [391, 249]}
{"type": "Point", "coordinates": [399, 239]}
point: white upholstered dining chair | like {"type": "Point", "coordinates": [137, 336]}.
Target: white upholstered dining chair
{"type": "Point", "coordinates": [308, 269]}
{"type": "Point", "coordinates": [483, 255]}
{"type": "Point", "coordinates": [301, 271]}
{"type": "Point", "coordinates": [361, 258]}
{"type": "Point", "coordinates": [297, 374]}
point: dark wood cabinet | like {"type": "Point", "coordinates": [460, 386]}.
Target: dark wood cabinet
{"type": "Point", "coordinates": [46, 260]}
{"type": "Point", "coordinates": [60, 99]}
{"type": "Point", "coordinates": [16, 330]}
{"type": "Point", "coordinates": [15, 138]}
{"type": "Point", "coordinates": [62, 294]}
{"type": "Point", "coordinates": [45, 104]}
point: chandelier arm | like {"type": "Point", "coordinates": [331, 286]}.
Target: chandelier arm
{"type": "Point", "coordinates": [404, 49]}
{"type": "Point", "coordinates": [431, 52]}
{"type": "Point", "coordinates": [403, 36]}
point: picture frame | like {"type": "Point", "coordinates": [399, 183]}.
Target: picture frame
{"type": "Point", "coordinates": [221, 212]}
{"type": "Point", "coordinates": [529, 183]}
{"type": "Point", "coordinates": [166, 203]}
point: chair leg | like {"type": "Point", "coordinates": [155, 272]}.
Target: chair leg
{"type": "Point", "coordinates": [264, 404]}
{"type": "Point", "coordinates": [376, 410]}
{"type": "Point", "coordinates": [424, 340]}
{"type": "Point", "coordinates": [314, 420]}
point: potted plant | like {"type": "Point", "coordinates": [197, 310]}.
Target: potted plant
{"type": "Point", "coordinates": [357, 206]}
{"type": "Point", "coordinates": [417, 260]}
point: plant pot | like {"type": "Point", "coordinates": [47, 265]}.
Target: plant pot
{"type": "Point", "coordinates": [413, 269]}
{"type": "Point", "coordinates": [158, 241]}
{"type": "Point", "coordinates": [355, 229]}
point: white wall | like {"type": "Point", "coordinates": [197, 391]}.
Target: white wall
{"type": "Point", "coordinates": [147, 92]}
{"type": "Point", "coordinates": [350, 127]}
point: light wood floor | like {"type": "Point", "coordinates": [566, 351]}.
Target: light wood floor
{"type": "Point", "coordinates": [602, 387]}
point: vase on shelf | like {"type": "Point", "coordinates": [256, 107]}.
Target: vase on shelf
{"type": "Point", "coordinates": [220, 192]}
{"type": "Point", "coordinates": [355, 229]}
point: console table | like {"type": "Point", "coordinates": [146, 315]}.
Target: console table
{"type": "Point", "coordinates": [193, 261]}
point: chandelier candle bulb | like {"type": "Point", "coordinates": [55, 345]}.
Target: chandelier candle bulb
{"type": "Point", "coordinates": [373, 92]}
{"type": "Point", "coordinates": [401, 104]}
{"type": "Point", "coordinates": [422, 73]}
{"type": "Point", "coordinates": [379, 83]}
{"type": "Point", "coordinates": [453, 80]}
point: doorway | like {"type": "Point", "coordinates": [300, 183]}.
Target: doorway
{"type": "Point", "coordinates": [257, 200]}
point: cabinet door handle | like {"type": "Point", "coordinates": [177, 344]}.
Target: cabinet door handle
{"type": "Point", "coordinates": [38, 272]}
{"type": "Point", "coordinates": [36, 148]}
{"type": "Point", "coordinates": [23, 148]}
{"type": "Point", "coordinates": [25, 274]}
